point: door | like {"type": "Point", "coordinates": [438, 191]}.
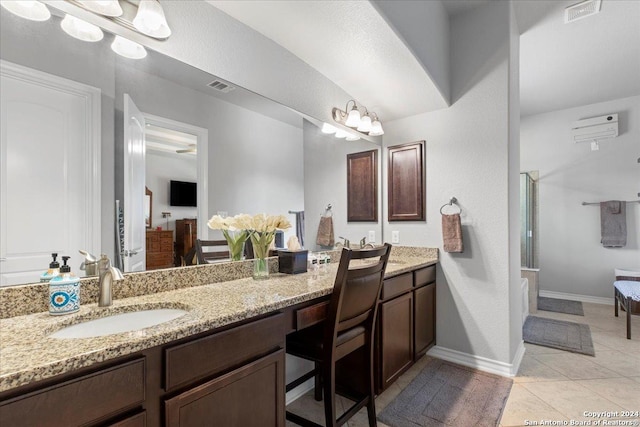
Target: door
{"type": "Point", "coordinates": [49, 187]}
{"type": "Point", "coordinates": [134, 190]}
{"type": "Point", "coordinates": [250, 396]}
{"type": "Point", "coordinates": [425, 318]}
{"type": "Point", "coordinates": [396, 338]}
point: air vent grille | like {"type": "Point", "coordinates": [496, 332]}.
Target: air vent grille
{"type": "Point", "coordinates": [221, 86]}
{"type": "Point", "coordinates": [581, 10]}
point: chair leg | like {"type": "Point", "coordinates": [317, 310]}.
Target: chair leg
{"type": "Point", "coordinates": [317, 392]}
{"type": "Point", "coordinates": [329, 388]}
{"type": "Point", "coordinates": [371, 404]}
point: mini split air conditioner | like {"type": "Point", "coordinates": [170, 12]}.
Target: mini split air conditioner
{"type": "Point", "coordinates": [595, 129]}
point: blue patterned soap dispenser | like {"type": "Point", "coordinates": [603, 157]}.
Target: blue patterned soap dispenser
{"type": "Point", "coordinates": [64, 291]}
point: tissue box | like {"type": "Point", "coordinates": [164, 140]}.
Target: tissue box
{"type": "Point", "coordinates": [292, 262]}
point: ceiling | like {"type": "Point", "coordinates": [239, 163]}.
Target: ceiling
{"type": "Point", "coordinates": [591, 60]}
{"type": "Point", "coordinates": [561, 65]}
{"type": "Point", "coordinates": [350, 43]}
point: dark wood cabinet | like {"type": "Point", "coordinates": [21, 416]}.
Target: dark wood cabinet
{"type": "Point", "coordinates": [186, 235]}
{"type": "Point", "coordinates": [406, 182]}
{"type": "Point", "coordinates": [396, 338]}
{"type": "Point", "coordinates": [362, 186]}
{"type": "Point", "coordinates": [250, 396]}
{"type": "Point", "coordinates": [406, 323]}
{"type": "Point", "coordinates": [159, 249]}
{"type": "Point", "coordinates": [424, 329]}
{"type": "Point", "coordinates": [85, 400]}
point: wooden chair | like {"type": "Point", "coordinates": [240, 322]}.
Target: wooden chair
{"type": "Point", "coordinates": [346, 336]}
{"type": "Point", "coordinates": [205, 256]}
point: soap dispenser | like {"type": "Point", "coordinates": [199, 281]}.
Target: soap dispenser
{"type": "Point", "coordinates": [53, 271]}
{"type": "Point", "coordinates": [64, 291]}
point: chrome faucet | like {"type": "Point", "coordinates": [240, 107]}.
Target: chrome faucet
{"type": "Point", "coordinates": [346, 243]}
{"type": "Point", "coordinates": [107, 275]}
{"type": "Point", "coordinates": [364, 244]}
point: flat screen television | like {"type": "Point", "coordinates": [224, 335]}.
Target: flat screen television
{"type": "Point", "coordinates": [183, 193]}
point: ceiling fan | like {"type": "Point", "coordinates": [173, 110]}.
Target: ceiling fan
{"type": "Point", "coordinates": [193, 148]}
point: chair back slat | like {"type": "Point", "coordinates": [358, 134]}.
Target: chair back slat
{"type": "Point", "coordinates": [205, 254]}
{"type": "Point", "coordinates": [356, 292]}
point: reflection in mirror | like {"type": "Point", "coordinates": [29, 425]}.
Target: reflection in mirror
{"type": "Point", "coordinates": [148, 207]}
{"type": "Point", "coordinates": [246, 153]}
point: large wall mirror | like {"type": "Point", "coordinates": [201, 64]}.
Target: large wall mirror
{"type": "Point", "coordinates": [85, 104]}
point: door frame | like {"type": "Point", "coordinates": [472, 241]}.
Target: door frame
{"type": "Point", "coordinates": [202, 159]}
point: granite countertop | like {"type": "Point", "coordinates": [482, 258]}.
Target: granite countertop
{"type": "Point", "coordinates": [27, 354]}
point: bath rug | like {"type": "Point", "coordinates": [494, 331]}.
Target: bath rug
{"type": "Point", "coordinates": [560, 306]}
{"type": "Point", "coordinates": [568, 336]}
{"type": "Point", "coordinates": [446, 394]}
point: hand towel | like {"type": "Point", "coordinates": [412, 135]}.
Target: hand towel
{"type": "Point", "coordinates": [613, 224]}
{"type": "Point", "coordinates": [452, 233]}
{"type": "Point", "coordinates": [325, 232]}
{"type": "Point", "coordinates": [300, 227]}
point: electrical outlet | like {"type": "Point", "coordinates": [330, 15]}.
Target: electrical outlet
{"type": "Point", "coordinates": [395, 237]}
{"type": "Point", "coordinates": [372, 236]}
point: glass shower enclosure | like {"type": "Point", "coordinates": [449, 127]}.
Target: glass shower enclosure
{"type": "Point", "coordinates": [527, 221]}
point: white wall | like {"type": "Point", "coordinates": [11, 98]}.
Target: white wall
{"type": "Point", "coordinates": [160, 169]}
{"type": "Point", "coordinates": [325, 177]}
{"type": "Point", "coordinates": [424, 26]}
{"type": "Point", "coordinates": [467, 156]}
{"type": "Point", "coordinates": [572, 260]}
{"type": "Point", "coordinates": [255, 162]}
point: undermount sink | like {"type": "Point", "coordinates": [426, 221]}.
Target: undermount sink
{"type": "Point", "coordinates": [118, 323]}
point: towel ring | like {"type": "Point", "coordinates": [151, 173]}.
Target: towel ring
{"type": "Point", "coordinates": [452, 201]}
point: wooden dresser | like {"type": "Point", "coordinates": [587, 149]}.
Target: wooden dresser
{"type": "Point", "coordinates": [159, 249]}
{"type": "Point", "coordinates": [186, 235]}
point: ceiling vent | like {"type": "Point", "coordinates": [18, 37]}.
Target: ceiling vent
{"type": "Point", "coordinates": [581, 10]}
{"type": "Point", "coordinates": [221, 86]}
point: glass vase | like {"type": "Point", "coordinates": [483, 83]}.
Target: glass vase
{"type": "Point", "coordinates": [235, 241]}
{"type": "Point", "coordinates": [260, 268]}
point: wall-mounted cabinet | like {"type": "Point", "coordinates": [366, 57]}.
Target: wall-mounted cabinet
{"type": "Point", "coordinates": [406, 182]}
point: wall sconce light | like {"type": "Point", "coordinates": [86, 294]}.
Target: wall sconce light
{"type": "Point", "coordinates": [361, 122]}
{"type": "Point", "coordinates": [31, 10]}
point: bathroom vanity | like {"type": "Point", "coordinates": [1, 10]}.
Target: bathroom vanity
{"type": "Point", "coordinates": [227, 351]}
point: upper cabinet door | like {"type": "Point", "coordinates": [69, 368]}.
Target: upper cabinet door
{"type": "Point", "coordinates": [49, 171]}
{"type": "Point", "coordinates": [406, 184]}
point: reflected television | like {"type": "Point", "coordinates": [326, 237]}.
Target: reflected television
{"type": "Point", "coordinates": [183, 193]}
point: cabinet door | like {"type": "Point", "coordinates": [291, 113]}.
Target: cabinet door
{"type": "Point", "coordinates": [396, 338]}
{"type": "Point", "coordinates": [250, 396]}
{"type": "Point", "coordinates": [425, 318]}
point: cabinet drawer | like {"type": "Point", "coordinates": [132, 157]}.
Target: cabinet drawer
{"type": "Point", "coordinates": [397, 285]}
{"type": "Point", "coordinates": [159, 258]}
{"type": "Point", "coordinates": [166, 245]}
{"type": "Point", "coordinates": [425, 275]}
{"type": "Point", "coordinates": [138, 420]}
{"type": "Point", "coordinates": [79, 401]}
{"type": "Point", "coordinates": [216, 353]}
{"type": "Point", "coordinates": [311, 315]}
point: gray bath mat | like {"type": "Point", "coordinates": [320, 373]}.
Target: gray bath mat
{"type": "Point", "coordinates": [560, 306]}
{"type": "Point", "coordinates": [568, 336]}
{"type": "Point", "coordinates": [446, 394]}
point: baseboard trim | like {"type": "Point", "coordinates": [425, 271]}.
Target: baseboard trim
{"type": "Point", "coordinates": [479, 362]}
{"type": "Point", "coordinates": [297, 392]}
{"type": "Point", "coordinates": [577, 297]}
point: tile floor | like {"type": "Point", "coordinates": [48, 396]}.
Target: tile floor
{"type": "Point", "coordinates": [551, 384]}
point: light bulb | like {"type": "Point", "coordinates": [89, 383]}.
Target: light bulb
{"type": "Point", "coordinates": [352, 138]}
{"type": "Point", "coordinates": [81, 30]}
{"type": "Point", "coordinates": [127, 48]}
{"type": "Point", "coordinates": [32, 10]}
{"type": "Point", "coordinates": [376, 128]}
{"type": "Point", "coordinates": [327, 128]}
{"type": "Point", "coordinates": [341, 134]}
{"type": "Point", "coordinates": [103, 7]}
{"type": "Point", "coordinates": [353, 120]}
{"type": "Point", "coordinates": [150, 19]}
{"type": "Point", "coordinates": [365, 124]}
